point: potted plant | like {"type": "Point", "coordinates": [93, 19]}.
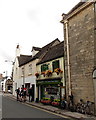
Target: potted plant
{"type": "Point", "coordinates": [45, 101]}
{"type": "Point", "coordinates": [58, 70]}
{"type": "Point", "coordinates": [37, 75]}
{"type": "Point", "coordinates": [56, 103]}
{"type": "Point", "coordinates": [48, 73]}
{"type": "Point", "coordinates": [43, 73]}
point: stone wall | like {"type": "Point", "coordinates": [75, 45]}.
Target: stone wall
{"type": "Point", "coordinates": [81, 46]}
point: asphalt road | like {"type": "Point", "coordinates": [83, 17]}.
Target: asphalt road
{"type": "Point", "coordinates": [0, 105]}
{"type": "Point", "coordinates": [14, 109]}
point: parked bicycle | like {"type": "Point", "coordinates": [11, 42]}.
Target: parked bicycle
{"type": "Point", "coordinates": [89, 108]}
{"type": "Point", "coordinates": [85, 107]}
{"type": "Point", "coordinates": [71, 103]}
{"type": "Point", "coordinates": [63, 104]}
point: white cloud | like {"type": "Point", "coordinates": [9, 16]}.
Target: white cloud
{"type": "Point", "coordinates": [30, 23]}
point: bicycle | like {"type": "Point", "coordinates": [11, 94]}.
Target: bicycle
{"type": "Point", "coordinates": [89, 108]}
{"type": "Point", "coordinates": [85, 108]}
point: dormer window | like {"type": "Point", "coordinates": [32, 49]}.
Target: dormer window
{"type": "Point", "coordinates": [35, 50]}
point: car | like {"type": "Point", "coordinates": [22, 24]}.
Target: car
{"type": "Point", "coordinates": [9, 91]}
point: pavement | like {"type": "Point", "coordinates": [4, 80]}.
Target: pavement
{"type": "Point", "coordinates": [73, 115]}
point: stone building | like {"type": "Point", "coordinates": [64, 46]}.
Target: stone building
{"type": "Point", "coordinates": [80, 51]}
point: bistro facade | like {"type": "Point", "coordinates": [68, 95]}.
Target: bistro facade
{"type": "Point", "coordinates": [50, 76]}
{"type": "Point", "coordinates": [48, 88]}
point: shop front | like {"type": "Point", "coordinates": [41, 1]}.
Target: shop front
{"type": "Point", "coordinates": [49, 88]}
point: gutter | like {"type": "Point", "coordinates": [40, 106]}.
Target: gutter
{"type": "Point", "coordinates": [68, 58]}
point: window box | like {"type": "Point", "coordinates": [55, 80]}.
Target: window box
{"type": "Point", "coordinates": [48, 73]}
{"type": "Point", "coordinates": [55, 103]}
{"type": "Point", "coordinates": [43, 73]}
{"type": "Point", "coordinates": [46, 101]}
{"type": "Point", "coordinates": [58, 70]}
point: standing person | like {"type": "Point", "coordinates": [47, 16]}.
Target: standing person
{"type": "Point", "coordinates": [24, 94]}
{"type": "Point", "coordinates": [30, 94]}
{"type": "Point", "coordinates": [18, 92]}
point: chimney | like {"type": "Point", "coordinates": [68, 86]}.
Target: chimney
{"type": "Point", "coordinates": [17, 50]}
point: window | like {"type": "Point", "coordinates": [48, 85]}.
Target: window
{"type": "Point", "coordinates": [95, 7]}
{"type": "Point", "coordinates": [55, 64]}
{"type": "Point", "coordinates": [52, 90]}
{"type": "Point", "coordinates": [30, 68]}
{"type": "Point", "coordinates": [44, 67]}
{"type": "Point", "coordinates": [16, 70]}
{"type": "Point", "coordinates": [22, 71]}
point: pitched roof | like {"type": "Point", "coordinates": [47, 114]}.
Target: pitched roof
{"type": "Point", "coordinates": [36, 48]}
{"type": "Point", "coordinates": [44, 49]}
{"type": "Point", "coordinates": [24, 59]}
{"type": "Point", "coordinates": [54, 52]}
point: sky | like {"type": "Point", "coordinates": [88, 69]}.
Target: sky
{"type": "Point", "coordinates": [29, 23]}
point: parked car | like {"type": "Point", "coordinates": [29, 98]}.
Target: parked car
{"type": "Point", "coordinates": [9, 91]}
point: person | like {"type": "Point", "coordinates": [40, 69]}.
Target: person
{"type": "Point", "coordinates": [24, 94]}
{"type": "Point", "coordinates": [30, 94]}
{"type": "Point", "coordinates": [18, 92]}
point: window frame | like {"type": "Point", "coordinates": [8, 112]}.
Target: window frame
{"type": "Point", "coordinates": [22, 71]}
{"type": "Point", "coordinates": [42, 67]}
{"type": "Point", "coordinates": [30, 69]}
{"type": "Point", "coordinates": [54, 63]}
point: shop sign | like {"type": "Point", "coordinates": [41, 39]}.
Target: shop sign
{"type": "Point", "coordinates": [48, 81]}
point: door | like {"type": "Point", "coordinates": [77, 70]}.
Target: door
{"type": "Point", "coordinates": [33, 90]}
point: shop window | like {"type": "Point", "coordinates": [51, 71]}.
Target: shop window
{"type": "Point", "coordinates": [55, 64]}
{"type": "Point", "coordinates": [52, 90]}
{"type": "Point", "coordinates": [44, 67]}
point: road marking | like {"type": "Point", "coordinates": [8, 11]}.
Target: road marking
{"type": "Point", "coordinates": [46, 110]}
{"type": "Point", "coordinates": [57, 114]}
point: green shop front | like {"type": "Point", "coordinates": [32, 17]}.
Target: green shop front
{"type": "Point", "coordinates": [48, 88]}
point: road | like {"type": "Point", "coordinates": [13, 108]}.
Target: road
{"type": "Point", "coordinates": [0, 105]}
{"type": "Point", "coordinates": [13, 109]}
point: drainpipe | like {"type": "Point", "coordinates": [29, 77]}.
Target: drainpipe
{"type": "Point", "coordinates": [68, 59]}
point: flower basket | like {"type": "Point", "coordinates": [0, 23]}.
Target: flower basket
{"type": "Point", "coordinates": [58, 70]}
{"type": "Point", "coordinates": [48, 73]}
{"type": "Point", "coordinates": [37, 75]}
{"type": "Point", "coordinates": [55, 103]}
{"type": "Point", "coordinates": [45, 102]}
{"type": "Point", "coordinates": [43, 73]}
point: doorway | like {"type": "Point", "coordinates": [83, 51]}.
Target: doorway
{"type": "Point", "coordinates": [33, 90]}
